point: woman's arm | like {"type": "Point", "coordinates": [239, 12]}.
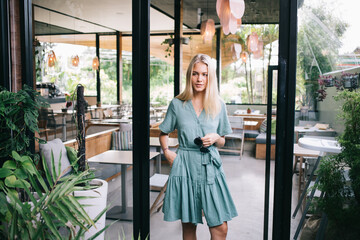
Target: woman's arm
{"type": "Point", "coordinates": [211, 138]}
{"type": "Point", "coordinates": [169, 155]}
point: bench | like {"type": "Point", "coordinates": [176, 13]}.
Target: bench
{"type": "Point", "coordinates": [261, 146]}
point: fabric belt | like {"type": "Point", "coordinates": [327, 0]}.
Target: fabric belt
{"type": "Point", "coordinates": [211, 160]}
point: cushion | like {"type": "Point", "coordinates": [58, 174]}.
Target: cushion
{"type": "Point", "coordinates": [56, 147]}
{"type": "Point", "coordinates": [261, 139]}
{"type": "Point", "coordinates": [121, 140]}
{"type": "Point", "coordinates": [251, 133]}
{"type": "Point", "coordinates": [273, 126]}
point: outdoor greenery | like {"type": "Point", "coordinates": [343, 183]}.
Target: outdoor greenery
{"type": "Point", "coordinates": [319, 41]}
{"type": "Point", "coordinates": [248, 79]}
{"type": "Point", "coordinates": [341, 201]}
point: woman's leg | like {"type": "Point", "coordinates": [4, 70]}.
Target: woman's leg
{"type": "Point", "coordinates": [189, 231]}
{"type": "Point", "coordinates": [219, 232]}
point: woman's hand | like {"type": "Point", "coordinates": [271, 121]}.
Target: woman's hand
{"type": "Point", "coordinates": [170, 156]}
{"type": "Point", "coordinates": [210, 138]}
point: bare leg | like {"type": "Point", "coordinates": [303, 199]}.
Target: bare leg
{"type": "Point", "coordinates": [219, 232]}
{"type": "Point", "coordinates": [189, 231]}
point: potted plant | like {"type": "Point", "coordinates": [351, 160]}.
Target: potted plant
{"type": "Point", "coordinates": [52, 209]}
{"type": "Point", "coordinates": [340, 174]}
{"type": "Point", "coordinates": [33, 205]}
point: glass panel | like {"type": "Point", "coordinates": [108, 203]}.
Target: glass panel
{"type": "Point", "coordinates": [108, 67]}
{"type": "Point", "coordinates": [327, 65]}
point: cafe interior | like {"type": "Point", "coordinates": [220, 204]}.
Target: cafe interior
{"type": "Point", "coordinates": [126, 60]}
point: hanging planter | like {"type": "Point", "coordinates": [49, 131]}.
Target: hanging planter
{"type": "Point", "coordinates": [259, 53]}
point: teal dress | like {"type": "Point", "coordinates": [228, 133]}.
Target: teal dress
{"type": "Point", "coordinates": [196, 181]}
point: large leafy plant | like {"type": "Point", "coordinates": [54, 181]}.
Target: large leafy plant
{"type": "Point", "coordinates": [18, 118]}
{"type": "Point", "coordinates": [53, 212]}
{"type": "Point", "coordinates": [340, 174]}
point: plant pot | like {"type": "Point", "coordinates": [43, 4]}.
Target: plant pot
{"type": "Point", "coordinates": [94, 205]}
{"type": "Point", "coordinates": [64, 110]}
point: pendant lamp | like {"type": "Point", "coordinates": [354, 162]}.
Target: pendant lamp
{"type": "Point", "coordinates": [259, 53]}
{"type": "Point", "coordinates": [236, 50]}
{"type": "Point", "coordinates": [229, 12]}
{"type": "Point", "coordinates": [207, 30]}
{"type": "Point", "coordinates": [252, 42]}
{"type": "Point", "coordinates": [75, 60]}
{"type": "Point", "coordinates": [51, 58]}
{"type": "Point", "coordinates": [95, 63]}
{"type": "Point", "coordinates": [244, 56]}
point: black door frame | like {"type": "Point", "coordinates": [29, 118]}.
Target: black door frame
{"type": "Point", "coordinates": [285, 119]}
{"type": "Point", "coordinates": [285, 112]}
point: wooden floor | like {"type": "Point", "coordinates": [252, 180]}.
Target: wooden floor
{"type": "Point", "coordinates": [246, 180]}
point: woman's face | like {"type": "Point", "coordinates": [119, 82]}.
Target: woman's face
{"type": "Point", "coordinates": [199, 77]}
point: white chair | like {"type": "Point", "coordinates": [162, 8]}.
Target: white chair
{"type": "Point", "coordinates": [237, 125]}
{"type": "Point", "coordinates": [158, 182]}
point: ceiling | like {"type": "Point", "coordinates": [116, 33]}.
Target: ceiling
{"type": "Point", "coordinates": [90, 16]}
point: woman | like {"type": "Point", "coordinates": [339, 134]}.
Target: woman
{"type": "Point", "coordinates": [197, 183]}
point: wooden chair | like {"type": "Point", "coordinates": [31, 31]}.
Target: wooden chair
{"type": "Point", "coordinates": [158, 182]}
{"type": "Point", "coordinates": [42, 125]}
{"type": "Point", "coordinates": [237, 125]}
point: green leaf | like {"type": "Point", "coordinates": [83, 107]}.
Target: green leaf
{"type": "Point", "coordinates": [47, 173]}
{"type": "Point", "coordinates": [10, 164]}
{"type": "Point", "coordinates": [29, 166]}
{"type": "Point", "coordinates": [50, 223]}
{"type": "Point", "coordinates": [10, 181]}
{"type": "Point", "coordinates": [5, 172]}
{"type": "Point", "coordinates": [16, 156]}
{"type": "Point", "coordinates": [20, 173]}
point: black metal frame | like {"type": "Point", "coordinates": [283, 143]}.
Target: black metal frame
{"type": "Point", "coordinates": [285, 119]}
{"type": "Point", "coordinates": [26, 42]}
{"type": "Point", "coordinates": [118, 67]}
{"type": "Point", "coordinates": [177, 47]}
{"type": "Point", "coordinates": [268, 151]}
{"type": "Point", "coordinates": [218, 56]}
{"type": "Point", "coordinates": [5, 63]}
{"type": "Point", "coordinates": [141, 119]}
{"type": "Point", "coordinates": [98, 82]}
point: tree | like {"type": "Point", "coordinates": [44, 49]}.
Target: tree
{"type": "Point", "coordinates": [319, 38]}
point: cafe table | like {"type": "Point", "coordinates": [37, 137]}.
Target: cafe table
{"type": "Point", "coordinates": [313, 129]}
{"type": "Point", "coordinates": [64, 114]}
{"type": "Point", "coordinates": [123, 158]}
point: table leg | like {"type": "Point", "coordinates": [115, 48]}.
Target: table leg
{"type": "Point", "coordinates": [300, 175]}
{"type": "Point", "coordinates": [122, 212]}
{"type": "Point", "coordinates": [158, 160]}
{"type": "Point", "coordinates": [64, 128]}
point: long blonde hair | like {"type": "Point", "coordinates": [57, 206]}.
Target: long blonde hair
{"type": "Point", "coordinates": [211, 99]}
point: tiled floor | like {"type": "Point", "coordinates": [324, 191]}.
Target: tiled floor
{"type": "Point", "coordinates": [246, 180]}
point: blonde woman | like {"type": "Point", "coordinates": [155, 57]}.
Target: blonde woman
{"type": "Point", "coordinates": [197, 182]}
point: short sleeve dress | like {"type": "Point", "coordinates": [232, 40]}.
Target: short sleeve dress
{"type": "Point", "coordinates": [196, 181]}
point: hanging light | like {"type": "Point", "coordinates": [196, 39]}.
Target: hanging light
{"type": "Point", "coordinates": [259, 53]}
{"type": "Point", "coordinates": [75, 60]}
{"type": "Point", "coordinates": [51, 58]}
{"type": "Point", "coordinates": [237, 8]}
{"type": "Point", "coordinates": [236, 50]}
{"type": "Point", "coordinates": [244, 56]}
{"type": "Point", "coordinates": [229, 12]}
{"type": "Point", "coordinates": [95, 63]}
{"type": "Point", "coordinates": [252, 42]}
{"type": "Point", "coordinates": [207, 29]}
